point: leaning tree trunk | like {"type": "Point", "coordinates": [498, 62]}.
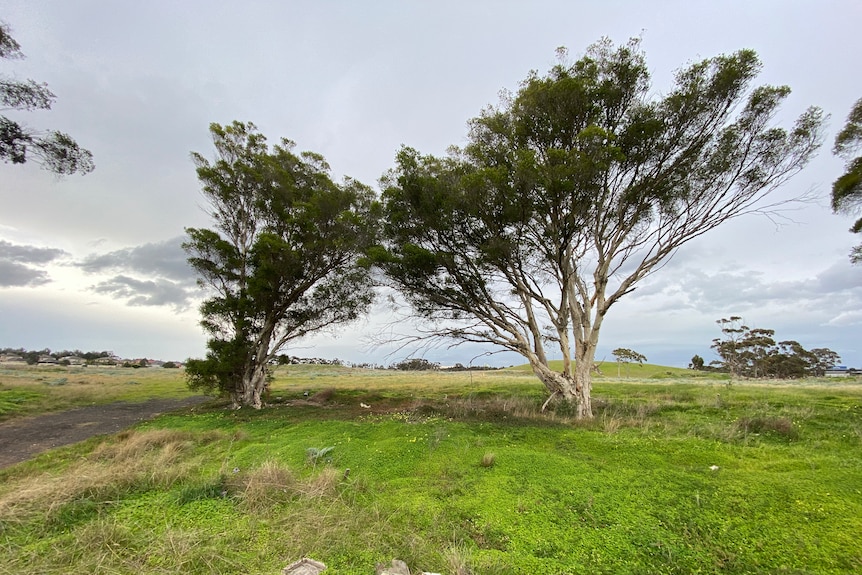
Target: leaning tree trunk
{"type": "Point", "coordinates": [574, 388]}
{"type": "Point", "coordinates": [254, 384]}
{"type": "Point", "coordinates": [250, 387]}
{"type": "Point", "coordinates": [255, 378]}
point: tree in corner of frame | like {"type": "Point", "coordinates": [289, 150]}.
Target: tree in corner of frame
{"type": "Point", "coordinates": [573, 190]}
{"type": "Point", "coordinates": [55, 151]}
{"type": "Point", "coordinates": [284, 258]}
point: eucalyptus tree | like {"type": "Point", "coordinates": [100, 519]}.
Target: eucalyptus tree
{"type": "Point", "coordinates": [56, 151]}
{"type": "Point", "coordinates": [847, 190]}
{"type": "Point", "coordinates": [573, 190]}
{"type": "Point", "coordinates": [753, 352]}
{"type": "Point", "coordinates": [627, 356]}
{"type": "Point", "coordinates": [284, 258]}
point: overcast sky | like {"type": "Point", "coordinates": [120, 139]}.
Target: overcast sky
{"type": "Point", "coordinates": [93, 262]}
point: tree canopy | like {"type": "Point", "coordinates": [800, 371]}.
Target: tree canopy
{"type": "Point", "coordinates": [284, 258]}
{"type": "Point", "coordinates": [627, 356]}
{"type": "Point", "coordinates": [55, 151]}
{"type": "Point", "coordinates": [847, 190]}
{"type": "Point", "coordinates": [754, 353]}
{"type": "Point", "coordinates": [573, 190]}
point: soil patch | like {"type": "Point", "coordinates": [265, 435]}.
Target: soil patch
{"type": "Point", "coordinates": [21, 439]}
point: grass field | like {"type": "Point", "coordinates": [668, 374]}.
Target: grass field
{"type": "Point", "coordinates": [451, 472]}
{"type": "Point", "coordinates": [27, 390]}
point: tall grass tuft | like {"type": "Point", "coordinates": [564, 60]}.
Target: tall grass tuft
{"type": "Point", "coordinates": [268, 485]}
{"type": "Point", "coordinates": [781, 427]}
{"type": "Point", "coordinates": [272, 484]}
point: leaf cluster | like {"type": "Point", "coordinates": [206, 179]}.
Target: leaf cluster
{"type": "Point", "coordinates": [56, 151]}
{"type": "Point", "coordinates": [847, 189]}
{"type": "Point", "coordinates": [625, 355]}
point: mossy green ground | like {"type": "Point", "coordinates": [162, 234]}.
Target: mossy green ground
{"type": "Point", "coordinates": [459, 473]}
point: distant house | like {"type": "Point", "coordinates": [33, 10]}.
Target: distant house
{"type": "Point", "coordinates": [47, 360]}
{"type": "Point", "coordinates": [106, 361]}
{"type": "Point", "coordinates": [12, 359]}
{"type": "Point", "coordinates": [841, 371]}
{"type": "Point", "coordinates": [73, 360]}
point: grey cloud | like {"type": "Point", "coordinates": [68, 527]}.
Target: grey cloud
{"type": "Point", "coordinates": [165, 259]}
{"type": "Point", "coordinates": [28, 254]}
{"type": "Point", "coordinates": [153, 274]}
{"type": "Point", "coordinates": [838, 286]}
{"type": "Point", "coordinates": [14, 274]}
{"type": "Point", "coordinates": [17, 261]}
{"type": "Point", "coordinates": [137, 292]}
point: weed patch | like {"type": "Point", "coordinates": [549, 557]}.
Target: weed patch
{"type": "Point", "coordinates": [778, 427]}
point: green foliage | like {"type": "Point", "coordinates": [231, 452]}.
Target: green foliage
{"type": "Point", "coordinates": [416, 364]}
{"type": "Point", "coordinates": [13, 400]}
{"type": "Point", "coordinates": [55, 151]}
{"type": "Point", "coordinates": [315, 455]}
{"type": "Point", "coordinates": [627, 356]}
{"type": "Point", "coordinates": [286, 257]}
{"type": "Point", "coordinates": [847, 189]}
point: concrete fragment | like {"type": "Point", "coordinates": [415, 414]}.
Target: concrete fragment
{"type": "Point", "coordinates": [397, 567]}
{"type": "Point", "coordinates": [304, 566]}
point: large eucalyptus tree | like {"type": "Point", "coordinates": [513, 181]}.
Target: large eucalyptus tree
{"type": "Point", "coordinates": [572, 191]}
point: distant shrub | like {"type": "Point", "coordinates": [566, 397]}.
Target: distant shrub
{"type": "Point", "coordinates": [323, 395]}
{"type": "Point", "coordinates": [776, 426]}
{"type": "Point", "coordinates": [416, 364]}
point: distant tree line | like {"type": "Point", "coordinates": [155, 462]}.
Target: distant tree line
{"type": "Point", "coordinates": [284, 359]}
{"type": "Point", "coordinates": [409, 364]}
{"type": "Point", "coordinates": [753, 353]}
{"type": "Point", "coordinates": [32, 356]}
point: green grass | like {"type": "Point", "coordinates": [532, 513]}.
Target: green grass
{"type": "Point", "coordinates": [28, 390]}
{"type": "Point", "coordinates": [453, 476]}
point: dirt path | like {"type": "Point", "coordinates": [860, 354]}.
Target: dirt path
{"type": "Point", "coordinates": [22, 439]}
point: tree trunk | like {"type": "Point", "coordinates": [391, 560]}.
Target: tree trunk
{"type": "Point", "coordinates": [584, 388]}
{"type": "Point", "coordinates": [574, 390]}
{"type": "Point", "coordinates": [251, 388]}
{"type": "Point", "coordinates": [254, 386]}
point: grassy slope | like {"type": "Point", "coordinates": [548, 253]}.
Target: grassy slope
{"type": "Point", "coordinates": [456, 471]}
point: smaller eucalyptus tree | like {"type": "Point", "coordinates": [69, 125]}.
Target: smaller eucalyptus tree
{"type": "Point", "coordinates": [285, 257]}
{"type": "Point", "coordinates": [626, 356]}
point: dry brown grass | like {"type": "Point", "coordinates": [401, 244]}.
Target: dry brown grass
{"type": "Point", "coordinates": [458, 559]}
{"type": "Point", "coordinates": [263, 487]}
{"type": "Point", "coordinates": [273, 483]}
{"type": "Point", "coordinates": [323, 396]}
{"type": "Point", "coordinates": [154, 458]}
